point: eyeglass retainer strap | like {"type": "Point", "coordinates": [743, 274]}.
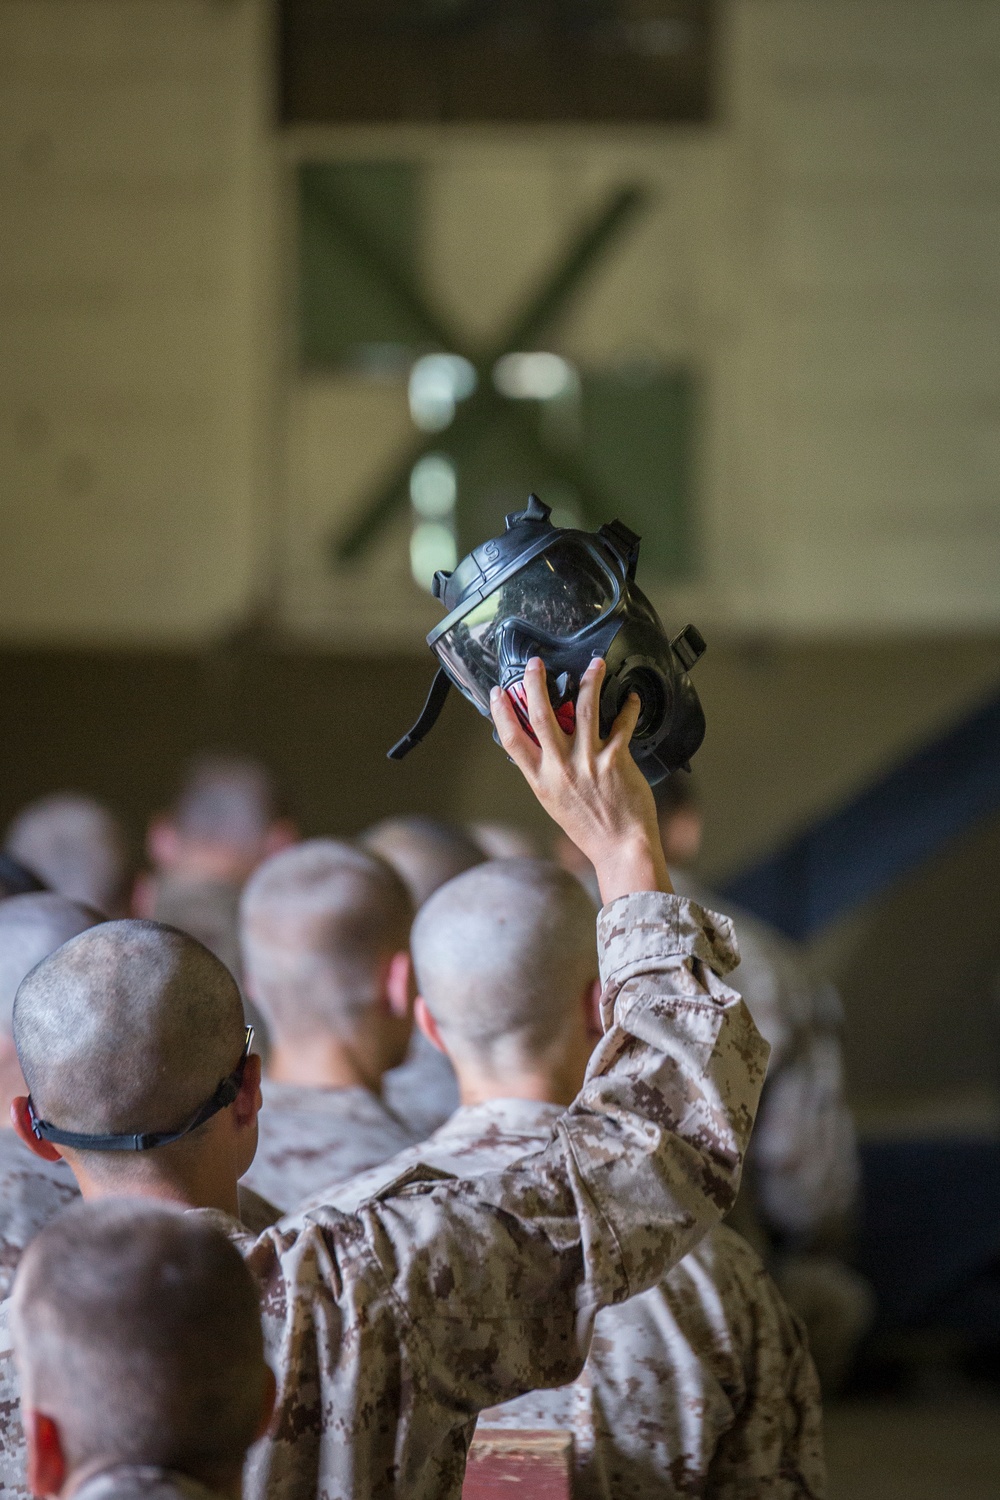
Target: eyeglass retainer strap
{"type": "Point", "coordinates": [224, 1095]}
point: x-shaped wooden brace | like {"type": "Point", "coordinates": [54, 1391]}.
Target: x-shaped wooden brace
{"type": "Point", "coordinates": [522, 333]}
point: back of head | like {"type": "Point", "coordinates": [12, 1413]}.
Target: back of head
{"type": "Point", "coordinates": [127, 1028]}
{"type": "Point", "coordinates": [318, 924]}
{"type": "Point", "coordinates": [424, 851]}
{"type": "Point", "coordinates": [679, 815]}
{"type": "Point", "coordinates": [75, 845]}
{"type": "Point", "coordinates": [225, 799]}
{"type": "Point", "coordinates": [32, 927]}
{"type": "Point", "coordinates": [503, 841]}
{"type": "Point", "coordinates": [675, 794]}
{"type": "Point", "coordinates": [503, 954]}
{"type": "Point", "coordinates": [137, 1329]}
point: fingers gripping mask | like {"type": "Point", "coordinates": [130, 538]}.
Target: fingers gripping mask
{"type": "Point", "coordinates": [566, 596]}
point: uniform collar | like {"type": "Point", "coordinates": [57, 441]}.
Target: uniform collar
{"type": "Point", "coordinates": [527, 1117]}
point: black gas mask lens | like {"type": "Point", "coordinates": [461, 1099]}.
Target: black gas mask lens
{"type": "Point", "coordinates": [566, 596]}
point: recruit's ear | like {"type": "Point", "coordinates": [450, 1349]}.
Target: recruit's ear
{"type": "Point", "coordinates": [46, 1460]}
{"type": "Point", "coordinates": [428, 1025]}
{"type": "Point", "coordinates": [21, 1121]}
{"type": "Point", "coordinates": [163, 842]}
{"type": "Point", "coordinates": [400, 987]}
{"type": "Point", "coordinates": [281, 834]}
{"type": "Point", "coordinates": [267, 1404]}
{"type": "Point", "coordinates": [591, 1002]}
{"type": "Point", "coordinates": [249, 1101]}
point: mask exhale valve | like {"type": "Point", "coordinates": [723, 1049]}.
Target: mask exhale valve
{"type": "Point", "coordinates": [566, 596]}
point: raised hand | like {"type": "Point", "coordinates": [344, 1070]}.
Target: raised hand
{"type": "Point", "coordinates": [591, 787]}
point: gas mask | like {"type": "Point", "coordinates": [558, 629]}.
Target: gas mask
{"type": "Point", "coordinates": [566, 596]}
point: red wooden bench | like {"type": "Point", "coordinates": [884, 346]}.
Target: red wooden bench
{"type": "Point", "coordinates": [540, 1463]}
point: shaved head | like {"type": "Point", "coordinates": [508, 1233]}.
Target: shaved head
{"type": "Point", "coordinates": [32, 927]}
{"type": "Point", "coordinates": [75, 845]}
{"type": "Point", "coordinates": [128, 1027]}
{"type": "Point", "coordinates": [423, 851]}
{"type": "Point", "coordinates": [225, 799]}
{"type": "Point", "coordinates": [137, 1329]}
{"type": "Point", "coordinates": [503, 954]}
{"type": "Point", "coordinates": [318, 924]}
{"type": "Point", "coordinates": [503, 841]}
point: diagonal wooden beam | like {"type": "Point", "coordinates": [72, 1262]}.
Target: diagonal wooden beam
{"type": "Point", "coordinates": [366, 248]}
{"type": "Point", "coordinates": [579, 258]}
{"type": "Point", "coordinates": [522, 332]}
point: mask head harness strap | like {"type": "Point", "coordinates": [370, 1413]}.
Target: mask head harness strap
{"type": "Point", "coordinates": [429, 715]}
{"type": "Point", "coordinates": [224, 1095]}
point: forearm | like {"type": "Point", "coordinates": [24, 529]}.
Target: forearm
{"type": "Point", "coordinates": [636, 864]}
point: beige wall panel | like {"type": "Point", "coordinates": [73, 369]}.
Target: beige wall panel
{"type": "Point", "coordinates": [103, 541]}
{"type": "Point", "coordinates": [88, 348]}
{"type": "Point", "coordinates": [885, 361]}
{"type": "Point", "coordinates": [834, 242]}
{"type": "Point", "coordinates": [134, 288]}
{"type": "Point", "coordinates": [114, 131]}
{"type": "Point", "coordinates": [144, 238]}
{"type": "Point", "coordinates": [887, 37]}
{"type": "Point", "coordinates": [344, 434]}
{"type": "Point", "coordinates": [890, 131]}
{"type": "Point", "coordinates": [115, 38]}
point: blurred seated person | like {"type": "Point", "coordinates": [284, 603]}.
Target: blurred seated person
{"type": "Point", "coordinates": [503, 841]}
{"type": "Point", "coordinates": [424, 852]}
{"type": "Point", "coordinates": [76, 847]}
{"type": "Point", "coordinates": [701, 1386]}
{"type": "Point", "coordinates": [803, 1165]}
{"type": "Point", "coordinates": [138, 1342]}
{"type": "Point", "coordinates": [390, 1329]}
{"type": "Point", "coordinates": [224, 823]}
{"type": "Point", "coordinates": [32, 1191]}
{"type": "Point", "coordinates": [325, 930]}
{"type": "Point", "coordinates": [16, 879]}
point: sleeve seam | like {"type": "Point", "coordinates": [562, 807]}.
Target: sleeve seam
{"type": "Point", "coordinates": [598, 1210]}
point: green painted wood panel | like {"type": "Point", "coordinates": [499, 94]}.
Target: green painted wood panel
{"type": "Point", "coordinates": [346, 302]}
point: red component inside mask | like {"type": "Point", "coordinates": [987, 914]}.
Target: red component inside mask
{"type": "Point", "coordinates": [565, 713]}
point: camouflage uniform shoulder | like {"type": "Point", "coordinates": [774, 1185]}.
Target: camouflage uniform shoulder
{"type": "Point", "coordinates": [32, 1192]}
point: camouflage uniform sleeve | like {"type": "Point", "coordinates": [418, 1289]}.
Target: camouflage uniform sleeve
{"type": "Point", "coordinates": [13, 1454]}
{"type": "Point", "coordinates": [497, 1280]}
{"type": "Point", "coordinates": [774, 1447]}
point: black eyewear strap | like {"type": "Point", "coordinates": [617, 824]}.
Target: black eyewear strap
{"type": "Point", "coordinates": [221, 1099]}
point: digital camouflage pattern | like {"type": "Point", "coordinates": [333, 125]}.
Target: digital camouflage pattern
{"type": "Point", "coordinates": [390, 1329]}
{"type": "Point", "coordinates": [32, 1192]}
{"type": "Point", "coordinates": [423, 1091]}
{"type": "Point", "coordinates": [310, 1137]}
{"type": "Point", "coordinates": [802, 1167]}
{"type": "Point", "coordinates": [701, 1386]}
{"type": "Point", "coordinates": [141, 1482]}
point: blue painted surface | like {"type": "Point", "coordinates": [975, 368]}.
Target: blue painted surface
{"type": "Point", "coordinates": [931, 1231]}
{"type": "Point", "coordinates": [857, 851]}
